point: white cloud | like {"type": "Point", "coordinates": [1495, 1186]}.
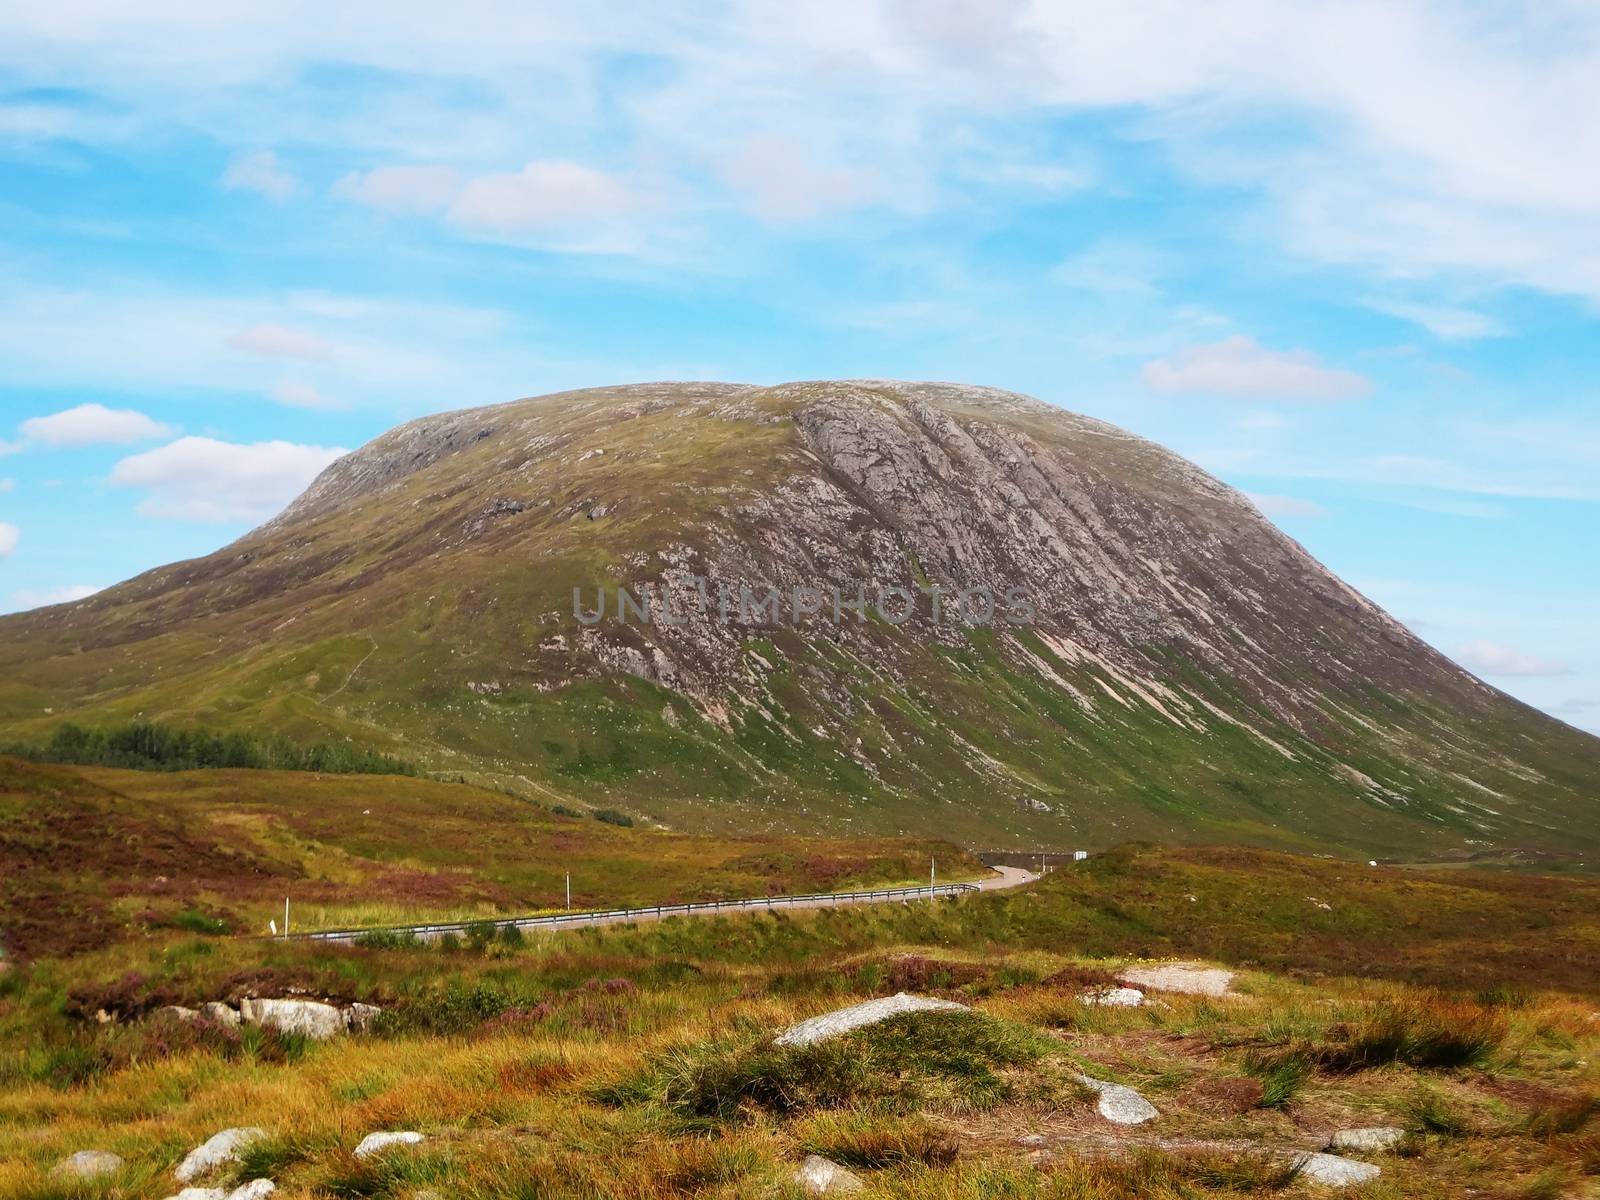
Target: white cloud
{"type": "Point", "coordinates": [202, 479]}
{"type": "Point", "coordinates": [543, 196]}
{"type": "Point", "coordinates": [1112, 266]}
{"type": "Point", "coordinates": [1443, 321]}
{"type": "Point", "coordinates": [296, 394]}
{"type": "Point", "coordinates": [7, 485]}
{"type": "Point", "coordinates": [279, 341]}
{"type": "Point", "coordinates": [781, 181]}
{"type": "Point", "coordinates": [1491, 658]}
{"type": "Point", "coordinates": [260, 171]}
{"type": "Point", "coordinates": [1238, 366]}
{"type": "Point", "coordinates": [92, 425]}
{"type": "Point", "coordinates": [408, 190]}
{"type": "Point", "coordinates": [27, 599]}
{"type": "Point", "coordinates": [10, 535]}
{"type": "Point", "coordinates": [1286, 506]}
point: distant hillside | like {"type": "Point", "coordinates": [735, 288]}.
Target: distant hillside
{"type": "Point", "coordinates": [90, 856]}
{"type": "Point", "coordinates": [1185, 671]}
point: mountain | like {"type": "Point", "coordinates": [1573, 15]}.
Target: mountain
{"type": "Point", "coordinates": [1162, 661]}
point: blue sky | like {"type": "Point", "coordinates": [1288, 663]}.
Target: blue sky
{"type": "Point", "coordinates": [1346, 257]}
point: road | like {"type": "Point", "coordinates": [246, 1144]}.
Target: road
{"type": "Point", "coordinates": [1004, 877]}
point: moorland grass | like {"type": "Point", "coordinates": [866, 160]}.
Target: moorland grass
{"type": "Point", "coordinates": [638, 1062]}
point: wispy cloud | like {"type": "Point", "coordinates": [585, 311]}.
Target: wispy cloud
{"type": "Point", "coordinates": [260, 171]}
{"type": "Point", "coordinates": [1286, 506]}
{"type": "Point", "coordinates": [1443, 321]}
{"type": "Point", "coordinates": [1491, 658]}
{"type": "Point", "coordinates": [33, 598]}
{"type": "Point", "coordinates": [1240, 367]}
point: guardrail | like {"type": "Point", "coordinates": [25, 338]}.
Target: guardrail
{"type": "Point", "coordinates": [651, 912]}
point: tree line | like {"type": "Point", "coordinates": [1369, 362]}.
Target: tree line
{"type": "Point", "coordinates": [151, 746]}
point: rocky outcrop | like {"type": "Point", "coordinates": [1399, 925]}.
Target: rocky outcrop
{"type": "Point", "coordinates": [841, 1021]}
{"type": "Point", "coordinates": [818, 1176]}
{"type": "Point", "coordinates": [216, 1151]}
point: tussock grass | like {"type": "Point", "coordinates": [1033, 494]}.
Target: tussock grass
{"type": "Point", "coordinates": [943, 1059]}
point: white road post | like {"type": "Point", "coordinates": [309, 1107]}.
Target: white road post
{"type": "Point", "coordinates": [286, 916]}
{"type": "Point", "coordinates": [569, 889]}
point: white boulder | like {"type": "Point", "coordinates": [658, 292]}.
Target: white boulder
{"type": "Point", "coordinates": [823, 1177]}
{"type": "Point", "coordinates": [1335, 1171]}
{"type": "Point", "coordinates": [218, 1150]}
{"type": "Point", "coordinates": [1372, 1139]}
{"type": "Point", "coordinates": [201, 1193]}
{"type": "Point", "coordinates": [1118, 1103]}
{"type": "Point", "coordinates": [220, 1013]}
{"type": "Point", "coordinates": [828, 1025]}
{"type": "Point", "coordinates": [310, 1018]}
{"type": "Point", "coordinates": [89, 1164]}
{"type": "Point", "coordinates": [256, 1189]}
{"type": "Point", "coordinates": [358, 1017]}
{"type": "Point", "coordinates": [1117, 997]}
{"type": "Point", "coordinates": [375, 1142]}
{"type": "Point", "coordinates": [175, 1012]}
{"type": "Point", "coordinates": [1194, 979]}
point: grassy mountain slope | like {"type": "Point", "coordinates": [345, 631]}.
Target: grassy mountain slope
{"type": "Point", "coordinates": [1190, 673]}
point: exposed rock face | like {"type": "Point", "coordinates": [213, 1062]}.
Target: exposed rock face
{"type": "Point", "coordinates": [89, 1164]}
{"type": "Point", "coordinates": [843, 1020]}
{"type": "Point", "coordinates": [216, 1151]}
{"type": "Point", "coordinates": [1162, 611]}
{"type": "Point", "coordinates": [1119, 1103]}
{"type": "Point", "coordinates": [820, 1176]}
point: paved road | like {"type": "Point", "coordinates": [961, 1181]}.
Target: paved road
{"type": "Point", "coordinates": [1007, 877]}
{"type": "Point", "coordinates": [1004, 877]}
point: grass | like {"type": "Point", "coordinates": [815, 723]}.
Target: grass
{"type": "Point", "coordinates": [639, 1062]}
{"type": "Point", "coordinates": [91, 855]}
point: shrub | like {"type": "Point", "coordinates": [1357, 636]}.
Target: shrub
{"type": "Point", "coordinates": [612, 817]}
{"type": "Point", "coordinates": [949, 1058]}
{"type": "Point", "coordinates": [1281, 1076]}
{"type": "Point", "coordinates": [1426, 1033]}
{"type": "Point", "coordinates": [198, 922]}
